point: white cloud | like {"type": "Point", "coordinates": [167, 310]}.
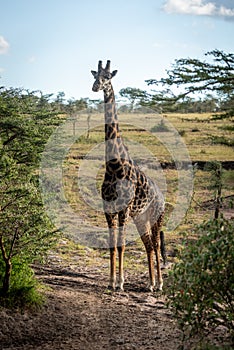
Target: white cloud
{"type": "Point", "coordinates": [198, 7]}
{"type": "Point", "coordinates": [4, 46]}
{"type": "Point", "coordinates": [223, 11]}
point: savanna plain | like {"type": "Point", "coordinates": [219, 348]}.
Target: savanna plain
{"type": "Point", "coordinates": [79, 312]}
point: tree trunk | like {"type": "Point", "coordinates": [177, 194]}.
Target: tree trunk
{"type": "Point", "coordinates": [219, 193]}
{"type": "Point", "coordinates": [88, 122]}
{"type": "Point", "coordinates": [217, 205]}
{"type": "Point", "coordinates": [6, 280]}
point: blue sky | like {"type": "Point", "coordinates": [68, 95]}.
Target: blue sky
{"type": "Point", "coordinates": [52, 45]}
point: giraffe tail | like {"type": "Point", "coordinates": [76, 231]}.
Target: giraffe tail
{"type": "Point", "coordinates": [163, 247]}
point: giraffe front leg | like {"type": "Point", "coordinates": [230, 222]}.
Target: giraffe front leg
{"type": "Point", "coordinates": [112, 281]}
{"type": "Point", "coordinates": [123, 215]}
{"type": "Point", "coordinates": [121, 249]}
{"type": "Point", "coordinates": [112, 224]}
{"type": "Point", "coordinates": [112, 242]}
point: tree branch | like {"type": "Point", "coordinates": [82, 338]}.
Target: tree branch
{"type": "Point", "coordinates": [3, 250]}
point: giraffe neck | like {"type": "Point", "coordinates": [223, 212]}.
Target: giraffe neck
{"type": "Point", "coordinates": [115, 149]}
{"type": "Point", "coordinates": [109, 95]}
{"type": "Point", "coordinates": [111, 118]}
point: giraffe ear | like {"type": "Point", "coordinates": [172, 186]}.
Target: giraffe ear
{"type": "Point", "coordinates": [94, 73]}
{"type": "Point", "coordinates": [114, 73]}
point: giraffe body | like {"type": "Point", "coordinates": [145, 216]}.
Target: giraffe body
{"type": "Point", "coordinates": [127, 191]}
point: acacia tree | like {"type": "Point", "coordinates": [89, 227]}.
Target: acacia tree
{"type": "Point", "coordinates": [25, 230]}
{"type": "Point", "coordinates": [25, 125]}
{"type": "Point", "coordinates": [215, 76]}
{"type": "Point", "coordinates": [133, 95]}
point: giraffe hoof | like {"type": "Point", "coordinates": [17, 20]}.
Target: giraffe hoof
{"type": "Point", "coordinates": [119, 289]}
{"type": "Point", "coordinates": [151, 288]}
{"type": "Point", "coordinates": [160, 287]}
{"type": "Point", "coordinates": [111, 288]}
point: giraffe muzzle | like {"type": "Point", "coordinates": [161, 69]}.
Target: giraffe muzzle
{"type": "Point", "coordinates": [96, 87]}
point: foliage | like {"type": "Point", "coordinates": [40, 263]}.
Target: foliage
{"type": "Point", "coordinates": [202, 290]}
{"type": "Point", "coordinates": [73, 106]}
{"type": "Point", "coordinates": [170, 104]}
{"type": "Point", "coordinates": [25, 231]}
{"type": "Point", "coordinates": [227, 104]}
{"type": "Point", "coordinates": [198, 76]}
{"type": "Point", "coordinates": [25, 125]}
{"type": "Point", "coordinates": [133, 95]}
{"type": "Point", "coordinates": [216, 184]}
{"type": "Point", "coordinates": [24, 289]}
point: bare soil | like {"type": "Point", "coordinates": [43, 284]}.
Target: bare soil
{"type": "Point", "coordinates": [80, 313]}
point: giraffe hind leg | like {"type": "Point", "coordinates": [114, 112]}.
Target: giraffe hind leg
{"type": "Point", "coordinates": [143, 229]}
{"type": "Point", "coordinates": [157, 248]}
{"type": "Point", "coordinates": [146, 239]}
{"type": "Point", "coordinates": [112, 224]}
{"type": "Point", "coordinates": [163, 247]}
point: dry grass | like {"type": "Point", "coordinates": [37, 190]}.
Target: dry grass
{"type": "Point", "coordinates": [197, 131]}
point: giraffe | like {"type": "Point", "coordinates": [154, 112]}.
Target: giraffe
{"type": "Point", "coordinates": [127, 192]}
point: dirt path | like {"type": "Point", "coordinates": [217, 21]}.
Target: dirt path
{"type": "Point", "coordinates": [81, 314]}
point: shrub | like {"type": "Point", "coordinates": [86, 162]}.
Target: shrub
{"type": "Point", "coordinates": [182, 132]}
{"type": "Point", "coordinates": [227, 127]}
{"type": "Point", "coordinates": [24, 288]}
{"type": "Point", "coordinates": [26, 233]}
{"type": "Point", "coordinates": [221, 140]}
{"type": "Point", "coordinates": [202, 290]}
{"type": "Point", "coordinates": [161, 127]}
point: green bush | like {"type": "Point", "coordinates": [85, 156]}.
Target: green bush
{"type": "Point", "coordinates": [227, 127]}
{"type": "Point", "coordinates": [202, 289]}
{"type": "Point", "coordinates": [221, 140]}
{"type": "Point", "coordinates": [26, 233]}
{"type": "Point", "coordinates": [24, 288]}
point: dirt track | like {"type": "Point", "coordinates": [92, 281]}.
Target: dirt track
{"type": "Point", "coordinates": [81, 314]}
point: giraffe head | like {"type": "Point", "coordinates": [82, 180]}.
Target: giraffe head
{"type": "Point", "coordinates": [102, 77]}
